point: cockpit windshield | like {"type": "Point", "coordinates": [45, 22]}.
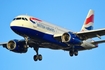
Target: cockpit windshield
{"type": "Point", "coordinates": [20, 18]}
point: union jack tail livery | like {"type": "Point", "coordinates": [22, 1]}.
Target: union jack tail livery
{"type": "Point", "coordinates": [88, 23]}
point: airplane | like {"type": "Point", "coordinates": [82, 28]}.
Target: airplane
{"type": "Point", "coordinates": [41, 34]}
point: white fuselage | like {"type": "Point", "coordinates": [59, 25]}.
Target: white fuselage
{"type": "Point", "coordinates": [39, 25]}
{"type": "Point", "coordinates": [34, 27]}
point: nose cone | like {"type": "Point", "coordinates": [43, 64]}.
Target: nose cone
{"type": "Point", "coordinates": [12, 24]}
{"type": "Point", "coordinates": [16, 23]}
{"type": "Point", "coordinates": [16, 26]}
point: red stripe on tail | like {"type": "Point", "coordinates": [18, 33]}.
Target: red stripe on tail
{"type": "Point", "coordinates": [90, 19]}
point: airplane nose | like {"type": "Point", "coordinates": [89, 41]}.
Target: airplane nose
{"type": "Point", "coordinates": [16, 23]}
{"type": "Point", "coordinates": [11, 24]}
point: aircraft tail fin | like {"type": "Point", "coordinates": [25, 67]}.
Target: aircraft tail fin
{"type": "Point", "coordinates": [88, 23]}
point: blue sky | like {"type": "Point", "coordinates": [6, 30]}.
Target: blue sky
{"type": "Point", "coordinates": [68, 14]}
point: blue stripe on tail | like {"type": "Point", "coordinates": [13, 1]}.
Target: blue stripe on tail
{"type": "Point", "coordinates": [89, 28]}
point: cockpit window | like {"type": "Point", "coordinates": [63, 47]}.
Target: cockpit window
{"type": "Point", "coordinates": [23, 18]}
{"type": "Point", "coordinates": [14, 18]}
{"type": "Point", "coordinates": [20, 18]}
{"type": "Point", "coordinates": [26, 19]}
